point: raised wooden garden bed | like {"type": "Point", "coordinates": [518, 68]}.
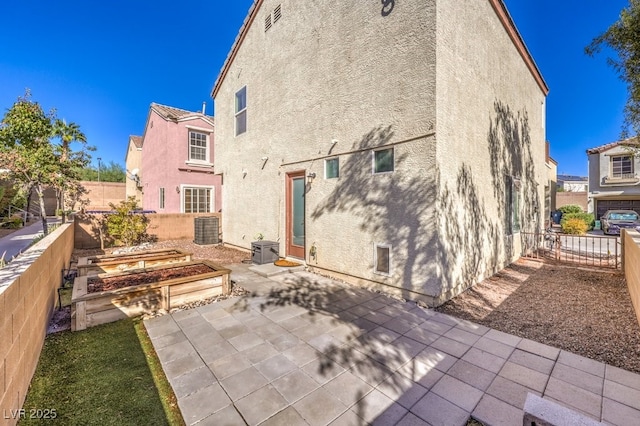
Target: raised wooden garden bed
{"type": "Point", "coordinates": [106, 264]}
{"type": "Point", "coordinates": [106, 298]}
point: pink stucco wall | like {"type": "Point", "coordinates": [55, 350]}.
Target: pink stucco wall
{"type": "Point", "coordinates": [164, 163]}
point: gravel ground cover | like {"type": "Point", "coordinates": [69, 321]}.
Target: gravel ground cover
{"type": "Point", "coordinates": [584, 311]}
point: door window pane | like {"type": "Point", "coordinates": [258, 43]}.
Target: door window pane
{"type": "Point", "coordinates": [297, 199]}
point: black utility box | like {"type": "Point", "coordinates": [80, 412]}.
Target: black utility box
{"type": "Point", "coordinates": [264, 252]}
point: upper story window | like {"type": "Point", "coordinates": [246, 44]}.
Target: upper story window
{"type": "Point", "coordinates": [197, 146]}
{"type": "Point", "coordinates": [241, 111]}
{"type": "Point", "coordinates": [383, 161]}
{"type": "Point", "coordinates": [622, 166]}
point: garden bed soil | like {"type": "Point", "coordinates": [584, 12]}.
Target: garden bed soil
{"type": "Point", "coordinates": [136, 278]}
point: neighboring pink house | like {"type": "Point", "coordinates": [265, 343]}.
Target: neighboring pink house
{"type": "Point", "coordinates": [177, 173]}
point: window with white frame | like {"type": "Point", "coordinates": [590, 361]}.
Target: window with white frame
{"type": "Point", "coordinates": [383, 160]}
{"type": "Point", "coordinates": [382, 259]}
{"type": "Point", "coordinates": [622, 166]}
{"type": "Point", "coordinates": [161, 199]}
{"type": "Point", "coordinates": [241, 111]}
{"type": "Point", "coordinates": [197, 200]}
{"type": "Point", "coordinates": [512, 207]}
{"type": "Point", "coordinates": [331, 168]}
{"type": "Point", "coordinates": [198, 146]}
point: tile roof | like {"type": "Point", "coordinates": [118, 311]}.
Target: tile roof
{"type": "Point", "coordinates": [602, 148]}
{"type": "Point", "coordinates": [171, 113]}
{"type": "Point", "coordinates": [137, 141]}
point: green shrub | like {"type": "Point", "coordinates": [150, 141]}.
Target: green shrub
{"type": "Point", "coordinates": [587, 218]}
{"type": "Point", "coordinates": [574, 225]}
{"type": "Point", "coordinates": [126, 227]}
{"type": "Point", "coordinates": [13, 222]}
{"type": "Point", "coordinates": [571, 208]}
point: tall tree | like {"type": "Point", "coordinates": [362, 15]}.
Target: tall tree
{"type": "Point", "coordinates": [25, 149]}
{"type": "Point", "coordinates": [111, 172]}
{"type": "Point", "coordinates": [68, 133]}
{"type": "Point", "coordinates": [623, 37]}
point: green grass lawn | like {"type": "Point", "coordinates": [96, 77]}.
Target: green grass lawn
{"type": "Point", "coordinates": [105, 375]}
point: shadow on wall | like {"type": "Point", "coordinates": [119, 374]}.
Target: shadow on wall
{"type": "Point", "coordinates": [509, 141]}
{"type": "Point", "coordinates": [464, 226]}
{"type": "Point", "coordinates": [394, 208]}
{"type": "Point", "coordinates": [444, 238]}
{"type": "Point", "coordinates": [474, 241]}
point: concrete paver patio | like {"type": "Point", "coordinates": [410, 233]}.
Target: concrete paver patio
{"type": "Point", "coordinates": [308, 350]}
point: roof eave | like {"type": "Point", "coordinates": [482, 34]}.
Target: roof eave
{"type": "Point", "coordinates": [507, 22]}
{"type": "Point", "coordinates": [498, 6]}
{"type": "Point", "coordinates": [253, 11]}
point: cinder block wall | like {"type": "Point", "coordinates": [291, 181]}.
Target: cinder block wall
{"type": "Point", "coordinates": [165, 226]}
{"type": "Point", "coordinates": [100, 194]}
{"type": "Point", "coordinates": [27, 298]}
{"type": "Point", "coordinates": [631, 253]}
{"type": "Point", "coordinates": [566, 198]}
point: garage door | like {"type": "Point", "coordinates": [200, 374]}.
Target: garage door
{"type": "Point", "coordinates": [603, 205]}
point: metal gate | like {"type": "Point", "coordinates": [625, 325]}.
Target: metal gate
{"type": "Point", "coordinates": [590, 250]}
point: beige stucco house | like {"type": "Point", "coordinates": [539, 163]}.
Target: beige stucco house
{"type": "Point", "coordinates": [614, 182]}
{"type": "Point", "coordinates": [133, 163]}
{"type": "Point", "coordinates": [397, 145]}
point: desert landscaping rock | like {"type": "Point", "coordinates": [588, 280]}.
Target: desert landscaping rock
{"type": "Point", "coordinates": [584, 311]}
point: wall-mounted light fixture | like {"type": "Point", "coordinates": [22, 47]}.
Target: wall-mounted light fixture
{"type": "Point", "coordinates": [177, 189]}
{"type": "Point", "coordinates": [310, 177]}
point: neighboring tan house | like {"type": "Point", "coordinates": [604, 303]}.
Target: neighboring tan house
{"type": "Point", "coordinates": [400, 146]}
{"type": "Point", "coordinates": [177, 174]}
{"type": "Point", "coordinates": [552, 185]}
{"type": "Point", "coordinates": [614, 182]}
{"type": "Point", "coordinates": [570, 183]}
{"type": "Point", "coordinates": [133, 163]}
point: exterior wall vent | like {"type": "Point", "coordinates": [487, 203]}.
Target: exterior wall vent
{"type": "Point", "coordinates": [267, 22]}
{"type": "Point", "coordinates": [277, 13]}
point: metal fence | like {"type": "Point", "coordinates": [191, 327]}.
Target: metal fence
{"type": "Point", "coordinates": [590, 250]}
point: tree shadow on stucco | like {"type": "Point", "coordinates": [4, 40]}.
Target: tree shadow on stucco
{"type": "Point", "coordinates": [464, 222]}
{"type": "Point", "coordinates": [393, 208]}
{"type": "Point", "coordinates": [510, 150]}
{"type": "Point", "coordinates": [465, 225]}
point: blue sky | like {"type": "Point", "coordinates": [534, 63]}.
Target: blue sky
{"type": "Point", "coordinates": [101, 64]}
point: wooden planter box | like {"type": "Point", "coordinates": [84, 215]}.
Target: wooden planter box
{"type": "Point", "coordinates": [90, 309]}
{"type": "Point", "coordinates": [106, 264]}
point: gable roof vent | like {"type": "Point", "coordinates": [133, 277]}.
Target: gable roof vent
{"type": "Point", "coordinates": [277, 13]}
{"type": "Point", "coordinates": [267, 22]}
